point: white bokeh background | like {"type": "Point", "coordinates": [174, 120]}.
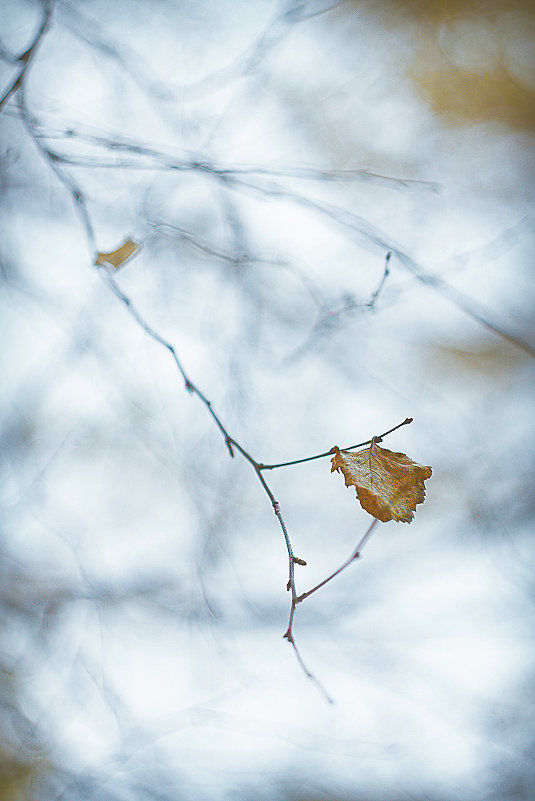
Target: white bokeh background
{"type": "Point", "coordinates": [144, 572]}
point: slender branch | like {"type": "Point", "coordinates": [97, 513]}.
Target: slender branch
{"type": "Point", "coordinates": [162, 160]}
{"type": "Point", "coordinates": [231, 442]}
{"type": "Point", "coordinates": [365, 231]}
{"type": "Point", "coordinates": [330, 317]}
{"type": "Point", "coordinates": [329, 453]}
{"type": "Point", "coordinates": [307, 672]}
{"type": "Point", "coordinates": [357, 225]}
{"type": "Point", "coordinates": [190, 386]}
{"type": "Point", "coordinates": [469, 306]}
{"type": "Point", "coordinates": [57, 166]}
{"type": "Point", "coordinates": [382, 282]}
{"type": "Point", "coordinates": [203, 246]}
{"type": "Point", "coordinates": [297, 599]}
{"type": "Point", "coordinates": [26, 58]}
{"type": "Point", "coordinates": [354, 556]}
{"type": "Point", "coordinates": [166, 161]}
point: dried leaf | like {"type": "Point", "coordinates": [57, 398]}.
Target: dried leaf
{"type": "Point", "coordinates": [118, 257]}
{"type": "Point", "coordinates": [389, 485]}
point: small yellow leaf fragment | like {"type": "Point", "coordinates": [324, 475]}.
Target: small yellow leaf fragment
{"type": "Point", "coordinates": [389, 485]}
{"type": "Point", "coordinates": [118, 257]}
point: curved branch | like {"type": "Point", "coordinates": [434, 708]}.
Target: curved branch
{"type": "Point", "coordinates": [27, 57]}
{"type": "Point", "coordinates": [330, 453]}
{"type": "Point", "coordinates": [57, 164]}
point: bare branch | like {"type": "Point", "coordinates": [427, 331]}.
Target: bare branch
{"type": "Point", "coordinates": [374, 236]}
{"type": "Point", "coordinates": [58, 163]}
{"type": "Point", "coordinates": [382, 282]}
{"type": "Point", "coordinates": [354, 556]}
{"type": "Point", "coordinates": [26, 58]}
{"type": "Point", "coordinates": [300, 598]}
{"type": "Point", "coordinates": [330, 453]}
{"type": "Point", "coordinates": [168, 161]}
{"type": "Point", "coordinates": [470, 306]}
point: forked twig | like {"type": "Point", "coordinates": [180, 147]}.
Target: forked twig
{"type": "Point", "coordinates": [57, 166]}
{"type": "Point", "coordinates": [355, 555]}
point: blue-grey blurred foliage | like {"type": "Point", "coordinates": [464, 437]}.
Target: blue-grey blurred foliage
{"type": "Point", "coordinates": [267, 156]}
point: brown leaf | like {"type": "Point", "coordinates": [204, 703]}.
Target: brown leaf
{"type": "Point", "coordinates": [118, 257]}
{"type": "Point", "coordinates": [389, 485]}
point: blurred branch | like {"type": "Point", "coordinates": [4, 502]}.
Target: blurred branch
{"type": "Point", "coordinates": [369, 233]}
{"type": "Point", "coordinates": [163, 160]}
{"type": "Point", "coordinates": [468, 305]}
{"type": "Point", "coordinates": [93, 33]}
{"type": "Point", "coordinates": [252, 57]}
{"type": "Point", "coordinates": [330, 318]}
{"type": "Point", "coordinates": [57, 163]}
{"type": "Point", "coordinates": [239, 178]}
{"type": "Point", "coordinates": [26, 58]}
{"type": "Point", "coordinates": [232, 444]}
{"type": "Point", "coordinates": [300, 598]}
{"type": "Point", "coordinates": [89, 30]}
{"type": "Point", "coordinates": [382, 282]}
{"type": "Point", "coordinates": [233, 257]}
{"type": "Point", "coordinates": [234, 177]}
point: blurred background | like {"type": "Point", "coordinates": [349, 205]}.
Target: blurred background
{"type": "Point", "coordinates": [266, 156]}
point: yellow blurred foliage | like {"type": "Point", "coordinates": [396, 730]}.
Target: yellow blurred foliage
{"type": "Point", "coordinates": [474, 61]}
{"type": "Point", "coordinates": [495, 362]}
{"type": "Point", "coordinates": [17, 777]}
{"type": "Point", "coordinates": [467, 72]}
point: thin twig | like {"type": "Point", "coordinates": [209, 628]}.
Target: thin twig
{"type": "Point", "coordinates": [190, 386]}
{"type": "Point", "coordinates": [340, 216]}
{"type": "Point", "coordinates": [379, 289]}
{"type": "Point", "coordinates": [330, 317]}
{"type": "Point", "coordinates": [354, 556]}
{"type": "Point", "coordinates": [162, 160]}
{"type": "Point", "coordinates": [231, 442]}
{"type": "Point", "coordinates": [297, 599]}
{"type": "Point", "coordinates": [359, 227]}
{"type": "Point", "coordinates": [57, 165]}
{"type": "Point", "coordinates": [330, 453]}
{"type": "Point", "coordinates": [26, 58]}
